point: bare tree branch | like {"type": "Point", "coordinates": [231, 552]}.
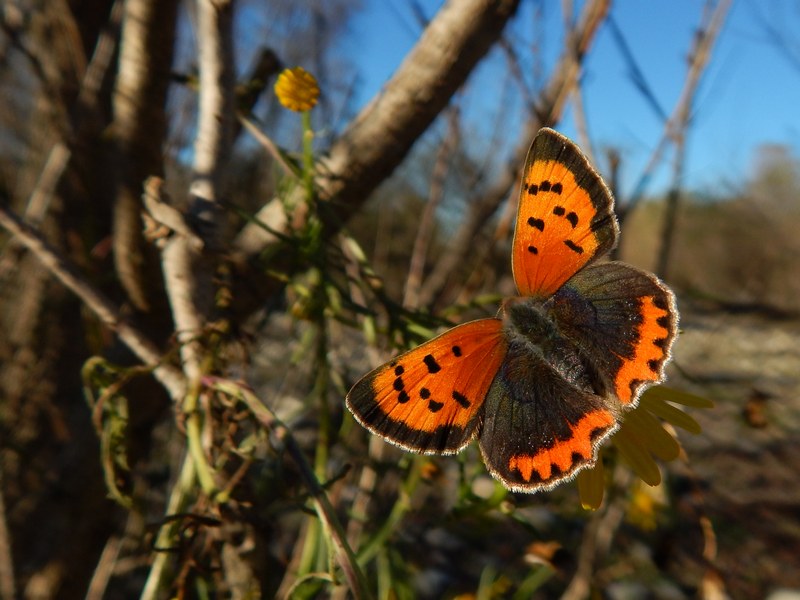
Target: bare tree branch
{"type": "Point", "coordinates": [187, 271]}
{"type": "Point", "coordinates": [382, 134]}
{"type": "Point", "coordinates": [188, 267]}
{"type": "Point", "coordinates": [635, 72]}
{"type": "Point", "coordinates": [679, 122]}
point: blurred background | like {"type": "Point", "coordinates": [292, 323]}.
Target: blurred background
{"type": "Point", "coordinates": [427, 108]}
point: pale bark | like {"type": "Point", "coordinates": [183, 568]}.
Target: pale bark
{"type": "Point", "coordinates": [188, 272]}
{"type": "Point", "coordinates": [146, 49]}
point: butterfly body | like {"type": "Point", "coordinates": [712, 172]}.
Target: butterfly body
{"type": "Point", "coordinates": [543, 384]}
{"type": "Point", "coordinates": [531, 328]}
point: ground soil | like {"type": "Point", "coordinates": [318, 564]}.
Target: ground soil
{"type": "Point", "coordinates": [747, 460]}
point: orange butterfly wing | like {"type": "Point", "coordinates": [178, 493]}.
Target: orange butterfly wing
{"type": "Point", "coordinates": [429, 399]}
{"type": "Point", "coordinates": [565, 216]}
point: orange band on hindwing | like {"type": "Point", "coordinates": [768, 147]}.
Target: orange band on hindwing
{"type": "Point", "coordinates": [560, 458]}
{"type": "Point", "coordinates": [654, 337]}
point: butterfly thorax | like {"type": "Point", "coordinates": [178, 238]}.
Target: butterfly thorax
{"type": "Point", "coordinates": [529, 319]}
{"type": "Point", "coordinates": [536, 341]}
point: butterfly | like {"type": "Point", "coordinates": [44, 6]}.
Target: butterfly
{"type": "Point", "coordinates": [544, 383]}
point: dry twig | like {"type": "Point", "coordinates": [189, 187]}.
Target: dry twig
{"type": "Point", "coordinates": [549, 108]}
{"type": "Point", "coordinates": [95, 300]}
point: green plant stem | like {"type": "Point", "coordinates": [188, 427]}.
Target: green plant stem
{"type": "Point", "coordinates": [309, 561]}
{"type": "Point", "coordinates": [401, 506]}
{"type": "Point", "coordinates": [308, 155]}
{"type": "Point", "coordinates": [321, 384]}
{"type": "Point", "coordinates": [178, 501]}
{"type": "Point", "coordinates": [308, 555]}
{"type": "Point", "coordinates": [194, 424]}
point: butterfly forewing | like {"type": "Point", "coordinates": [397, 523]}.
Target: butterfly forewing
{"type": "Point", "coordinates": [429, 399]}
{"type": "Point", "coordinates": [564, 216]}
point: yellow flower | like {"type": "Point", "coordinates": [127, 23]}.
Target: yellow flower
{"type": "Point", "coordinates": [645, 504]}
{"type": "Point", "coordinates": [641, 437]}
{"type": "Point", "coordinates": [297, 89]}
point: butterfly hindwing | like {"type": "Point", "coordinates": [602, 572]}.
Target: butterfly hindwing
{"type": "Point", "coordinates": [540, 429]}
{"type": "Point", "coordinates": [429, 399]}
{"type": "Point", "coordinates": [565, 216]}
{"type": "Point", "coordinates": [625, 319]}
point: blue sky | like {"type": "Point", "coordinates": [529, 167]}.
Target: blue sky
{"type": "Point", "coordinates": [750, 94]}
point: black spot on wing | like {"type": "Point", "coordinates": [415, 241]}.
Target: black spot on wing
{"type": "Point", "coordinates": [434, 406]}
{"type": "Point", "coordinates": [536, 223]}
{"type": "Point", "coordinates": [430, 362]}
{"type": "Point", "coordinates": [573, 219]}
{"type": "Point", "coordinates": [461, 399]}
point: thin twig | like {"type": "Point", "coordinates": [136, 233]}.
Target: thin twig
{"type": "Point", "coordinates": [270, 146]}
{"type": "Point", "coordinates": [597, 537]}
{"type": "Point", "coordinates": [265, 65]}
{"type": "Point", "coordinates": [42, 194]}
{"type": "Point", "coordinates": [419, 253]}
{"type": "Point", "coordinates": [635, 72]}
{"type": "Point", "coordinates": [678, 125]}
{"type": "Point", "coordinates": [104, 569]}
{"type": "Point", "coordinates": [703, 44]}
{"type": "Point", "coordinates": [94, 299]}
